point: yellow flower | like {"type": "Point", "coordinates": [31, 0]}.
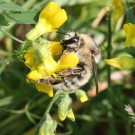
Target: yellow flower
{"type": "Point", "coordinates": [51, 17]}
{"type": "Point", "coordinates": [49, 67]}
{"type": "Point", "coordinates": [118, 9]}
{"type": "Point", "coordinates": [40, 60]}
{"type": "Point", "coordinates": [122, 62]}
{"type": "Point", "coordinates": [130, 34]}
{"type": "Point", "coordinates": [39, 57]}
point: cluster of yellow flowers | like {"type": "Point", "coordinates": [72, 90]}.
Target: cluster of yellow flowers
{"type": "Point", "coordinates": [123, 62]}
{"type": "Point", "coordinates": [39, 57]}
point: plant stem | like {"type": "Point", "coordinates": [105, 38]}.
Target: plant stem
{"type": "Point", "coordinates": [57, 95]}
{"type": "Point", "coordinates": [5, 63]}
{"type": "Point", "coordinates": [110, 101]}
{"type": "Point", "coordinates": [28, 4]}
{"type": "Point", "coordinates": [109, 48]}
{"type": "Point", "coordinates": [11, 36]}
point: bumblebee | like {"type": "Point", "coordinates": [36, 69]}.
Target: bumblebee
{"type": "Point", "coordinates": [75, 77]}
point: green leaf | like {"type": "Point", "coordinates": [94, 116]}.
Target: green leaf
{"type": "Point", "coordinates": [6, 101]}
{"type": "Point", "coordinates": [130, 50]}
{"type": "Point", "coordinates": [26, 17]}
{"type": "Point", "coordinates": [10, 6]}
{"type": "Point", "coordinates": [3, 20]}
{"type": "Point", "coordinates": [77, 2]}
{"type": "Point", "coordinates": [130, 14]}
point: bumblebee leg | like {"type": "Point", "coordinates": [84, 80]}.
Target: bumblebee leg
{"type": "Point", "coordinates": [51, 81]}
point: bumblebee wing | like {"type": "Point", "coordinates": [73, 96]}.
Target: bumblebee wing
{"type": "Point", "coordinates": [95, 72]}
{"type": "Point", "coordinates": [72, 71]}
{"type": "Point", "coordinates": [51, 81]}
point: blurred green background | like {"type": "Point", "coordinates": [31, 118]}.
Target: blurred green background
{"type": "Point", "coordinates": [22, 106]}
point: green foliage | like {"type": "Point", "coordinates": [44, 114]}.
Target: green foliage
{"type": "Point", "coordinates": [25, 17]}
{"type": "Point", "coordinates": [130, 50]}
{"type": "Point", "coordinates": [3, 21]}
{"type": "Point", "coordinates": [10, 7]}
{"type": "Point", "coordinates": [15, 13]}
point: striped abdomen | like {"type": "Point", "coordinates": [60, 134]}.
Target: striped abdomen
{"type": "Point", "coordinates": [73, 82]}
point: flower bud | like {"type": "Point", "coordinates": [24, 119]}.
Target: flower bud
{"type": "Point", "coordinates": [48, 127]}
{"type": "Point", "coordinates": [71, 115]}
{"type": "Point", "coordinates": [81, 95]}
{"type": "Point", "coordinates": [64, 106]}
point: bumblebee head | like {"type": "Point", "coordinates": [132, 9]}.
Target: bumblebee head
{"type": "Point", "coordinates": [71, 41]}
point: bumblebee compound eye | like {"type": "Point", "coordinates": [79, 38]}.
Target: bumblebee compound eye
{"type": "Point", "coordinates": [69, 41]}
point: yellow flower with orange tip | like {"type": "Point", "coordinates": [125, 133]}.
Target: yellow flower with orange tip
{"type": "Point", "coordinates": [118, 9]}
{"type": "Point", "coordinates": [124, 62]}
{"type": "Point", "coordinates": [130, 34]}
{"type": "Point", "coordinates": [51, 17]}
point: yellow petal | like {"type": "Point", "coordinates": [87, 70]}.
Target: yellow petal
{"type": "Point", "coordinates": [67, 61]}
{"type": "Point", "coordinates": [49, 11]}
{"type": "Point", "coordinates": [29, 62]}
{"type": "Point", "coordinates": [58, 19]}
{"type": "Point", "coordinates": [130, 34]}
{"type": "Point", "coordinates": [50, 64]}
{"type": "Point", "coordinates": [122, 62]}
{"type": "Point", "coordinates": [118, 9]}
{"type": "Point", "coordinates": [53, 14]}
{"type": "Point", "coordinates": [55, 48]}
{"type": "Point", "coordinates": [28, 56]}
{"type": "Point", "coordinates": [34, 75]}
{"type": "Point", "coordinates": [44, 88]}
{"type": "Point", "coordinates": [42, 70]}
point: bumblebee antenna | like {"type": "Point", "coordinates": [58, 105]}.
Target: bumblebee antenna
{"type": "Point", "coordinates": [94, 70]}
{"type": "Point", "coordinates": [61, 31]}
